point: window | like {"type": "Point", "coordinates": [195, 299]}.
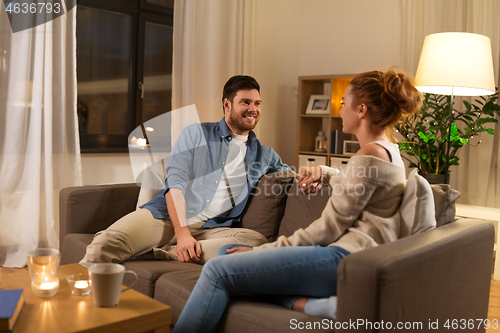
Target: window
{"type": "Point", "coordinates": [124, 68]}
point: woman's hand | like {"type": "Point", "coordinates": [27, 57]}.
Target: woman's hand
{"type": "Point", "coordinates": [239, 249]}
{"type": "Point", "coordinates": [310, 179]}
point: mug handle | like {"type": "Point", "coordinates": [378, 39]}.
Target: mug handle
{"type": "Point", "coordinates": [135, 280]}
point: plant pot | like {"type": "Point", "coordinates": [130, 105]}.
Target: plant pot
{"type": "Point", "coordinates": [433, 178]}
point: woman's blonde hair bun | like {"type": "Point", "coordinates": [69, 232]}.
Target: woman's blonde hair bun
{"type": "Point", "coordinates": [388, 95]}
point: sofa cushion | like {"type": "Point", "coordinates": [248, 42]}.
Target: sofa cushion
{"type": "Point", "coordinates": [444, 203]}
{"type": "Point", "coordinates": [148, 272]}
{"type": "Point", "coordinates": [151, 181]}
{"type": "Point", "coordinates": [302, 209]}
{"type": "Point", "coordinates": [417, 207]}
{"type": "Point", "coordinates": [174, 288]}
{"type": "Point", "coordinates": [74, 247]}
{"type": "Point", "coordinates": [259, 317]}
{"type": "Point", "coordinates": [266, 204]}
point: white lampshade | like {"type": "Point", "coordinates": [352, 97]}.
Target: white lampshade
{"type": "Point", "coordinates": [457, 60]}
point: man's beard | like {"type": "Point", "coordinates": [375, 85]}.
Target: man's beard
{"type": "Point", "coordinates": [238, 122]}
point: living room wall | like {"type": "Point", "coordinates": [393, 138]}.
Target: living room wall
{"type": "Point", "coordinates": [293, 38]}
{"type": "Point", "coordinates": [315, 38]}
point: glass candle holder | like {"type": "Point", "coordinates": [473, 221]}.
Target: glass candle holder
{"type": "Point", "coordinates": [79, 284]}
{"type": "Point", "coordinates": [42, 265]}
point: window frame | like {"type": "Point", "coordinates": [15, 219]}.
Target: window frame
{"type": "Point", "coordinates": [141, 13]}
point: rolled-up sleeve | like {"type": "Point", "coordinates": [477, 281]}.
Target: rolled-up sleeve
{"type": "Point", "coordinates": [276, 164]}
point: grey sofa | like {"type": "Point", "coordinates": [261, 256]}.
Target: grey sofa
{"type": "Point", "coordinates": [432, 277]}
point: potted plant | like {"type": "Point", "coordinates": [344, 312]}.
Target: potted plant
{"type": "Point", "coordinates": [425, 133]}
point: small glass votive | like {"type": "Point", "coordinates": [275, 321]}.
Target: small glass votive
{"type": "Point", "coordinates": [79, 284]}
{"type": "Point", "coordinates": [42, 265]}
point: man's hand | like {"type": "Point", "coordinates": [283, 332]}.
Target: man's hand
{"type": "Point", "coordinates": [188, 248]}
{"type": "Point", "coordinates": [239, 249]}
{"type": "Point", "coordinates": [310, 179]}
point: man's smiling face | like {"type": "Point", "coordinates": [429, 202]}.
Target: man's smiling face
{"type": "Point", "coordinates": [242, 115]}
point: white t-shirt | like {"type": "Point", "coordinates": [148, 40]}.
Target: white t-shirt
{"type": "Point", "coordinates": [237, 177]}
{"type": "Point", "coordinates": [393, 150]}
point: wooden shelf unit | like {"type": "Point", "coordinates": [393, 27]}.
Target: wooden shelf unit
{"type": "Point", "coordinates": [309, 125]}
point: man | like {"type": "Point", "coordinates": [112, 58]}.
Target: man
{"type": "Point", "coordinates": [211, 170]}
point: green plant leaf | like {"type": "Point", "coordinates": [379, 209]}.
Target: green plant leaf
{"type": "Point", "coordinates": [423, 137]}
{"type": "Point", "coordinates": [426, 132]}
{"type": "Point", "coordinates": [454, 160]}
{"type": "Point", "coordinates": [453, 130]}
{"type": "Point", "coordinates": [467, 105]}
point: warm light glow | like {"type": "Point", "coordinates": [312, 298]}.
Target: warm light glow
{"type": "Point", "coordinates": [47, 285]}
{"type": "Point", "coordinates": [150, 129]}
{"type": "Point", "coordinates": [42, 265]}
{"type": "Point", "coordinates": [82, 284]}
{"type": "Point", "coordinates": [456, 62]}
{"type": "Point", "coordinates": [138, 141]}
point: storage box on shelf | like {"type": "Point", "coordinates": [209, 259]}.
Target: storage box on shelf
{"type": "Point", "coordinates": [311, 160]}
{"type": "Point", "coordinates": [338, 162]}
{"type": "Point", "coordinates": [308, 125]}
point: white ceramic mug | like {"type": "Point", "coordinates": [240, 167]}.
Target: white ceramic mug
{"type": "Point", "coordinates": [106, 283]}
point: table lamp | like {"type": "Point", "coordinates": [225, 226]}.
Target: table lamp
{"type": "Point", "coordinates": [456, 64]}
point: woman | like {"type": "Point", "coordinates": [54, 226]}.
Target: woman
{"type": "Point", "coordinates": [362, 213]}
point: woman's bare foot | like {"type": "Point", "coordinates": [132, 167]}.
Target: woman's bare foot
{"type": "Point", "coordinates": [300, 304]}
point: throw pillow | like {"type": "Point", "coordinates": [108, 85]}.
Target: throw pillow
{"type": "Point", "coordinates": [444, 203]}
{"type": "Point", "coordinates": [151, 180]}
{"type": "Point", "coordinates": [417, 207]}
{"type": "Point", "coordinates": [303, 209]}
{"type": "Point", "coordinates": [266, 204]}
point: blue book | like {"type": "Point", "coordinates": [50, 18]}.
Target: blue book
{"type": "Point", "coordinates": [341, 137]}
{"type": "Point", "coordinates": [333, 148]}
{"type": "Point", "coordinates": [11, 304]}
{"type": "Point", "coordinates": [338, 138]}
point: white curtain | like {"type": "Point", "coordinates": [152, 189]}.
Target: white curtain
{"type": "Point", "coordinates": [477, 177]}
{"type": "Point", "coordinates": [213, 40]}
{"type": "Point", "coordinates": [39, 145]}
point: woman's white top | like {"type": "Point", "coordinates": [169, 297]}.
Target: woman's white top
{"type": "Point", "coordinates": [393, 150]}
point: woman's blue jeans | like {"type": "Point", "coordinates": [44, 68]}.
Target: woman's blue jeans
{"type": "Point", "coordinates": [305, 270]}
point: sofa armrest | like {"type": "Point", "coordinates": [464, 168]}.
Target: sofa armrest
{"type": "Point", "coordinates": [89, 209]}
{"type": "Point", "coordinates": [442, 274]}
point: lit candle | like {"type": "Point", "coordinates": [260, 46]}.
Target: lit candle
{"type": "Point", "coordinates": [82, 284]}
{"type": "Point", "coordinates": [47, 286]}
{"type": "Point", "coordinates": [141, 142]}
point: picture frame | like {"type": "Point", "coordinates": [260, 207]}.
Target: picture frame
{"type": "Point", "coordinates": [351, 147]}
{"type": "Point", "coordinates": [318, 104]}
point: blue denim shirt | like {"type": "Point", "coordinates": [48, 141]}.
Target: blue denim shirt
{"type": "Point", "coordinates": [195, 166]}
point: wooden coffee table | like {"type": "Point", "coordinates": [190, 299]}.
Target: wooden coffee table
{"type": "Point", "coordinates": [66, 312]}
